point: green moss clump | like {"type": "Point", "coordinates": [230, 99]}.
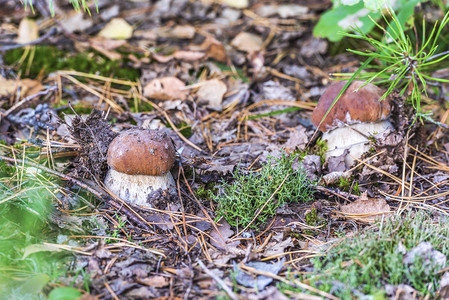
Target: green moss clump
{"type": "Point", "coordinates": [241, 200]}
{"type": "Point", "coordinates": [51, 59]}
{"type": "Point", "coordinates": [362, 265]}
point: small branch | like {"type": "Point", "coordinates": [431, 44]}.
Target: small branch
{"type": "Point", "coordinates": [56, 173]}
{"type": "Point", "coordinates": [29, 98]}
{"type": "Point", "coordinates": [223, 285]}
{"type": "Point", "coordinates": [42, 38]}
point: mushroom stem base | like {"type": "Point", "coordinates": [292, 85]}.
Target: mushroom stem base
{"type": "Point", "coordinates": [354, 139]}
{"type": "Point", "coordinates": [139, 189]}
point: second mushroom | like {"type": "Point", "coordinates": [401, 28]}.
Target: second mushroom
{"type": "Point", "coordinates": [354, 118]}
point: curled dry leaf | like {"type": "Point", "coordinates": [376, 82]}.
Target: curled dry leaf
{"type": "Point", "coordinates": [76, 21]}
{"type": "Point", "coordinates": [179, 55]}
{"type": "Point", "coordinates": [28, 31]}
{"type": "Point", "coordinates": [165, 88]}
{"type": "Point", "coordinates": [105, 46]}
{"type": "Point", "coordinates": [181, 32]}
{"type": "Point", "coordinates": [214, 49]}
{"type": "Point", "coordinates": [247, 42]}
{"type": "Point", "coordinates": [155, 281]}
{"type": "Point", "coordinates": [27, 86]}
{"type": "Point", "coordinates": [211, 92]}
{"type": "Point", "coordinates": [365, 209]}
{"type": "Point", "coordinates": [117, 29]}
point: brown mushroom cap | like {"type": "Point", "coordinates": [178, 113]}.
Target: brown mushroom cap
{"type": "Point", "coordinates": [352, 107]}
{"type": "Point", "coordinates": [141, 152]}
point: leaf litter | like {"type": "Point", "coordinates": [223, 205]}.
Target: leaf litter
{"type": "Point", "coordinates": [231, 86]}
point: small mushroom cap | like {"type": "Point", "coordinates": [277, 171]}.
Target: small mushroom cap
{"type": "Point", "coordinates": [352, 107]}
{"type": "Point", "coordinates": [141, 152]}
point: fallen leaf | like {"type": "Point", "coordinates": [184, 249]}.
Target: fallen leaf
{"type": "Point", "coordinates": [30, 86]}
{"type": "Point", "coordinates": [247, 42]}
{"type": "Point", "coordinates": [180, 55]}
{"type": "Point", "coordinates": [366, 210]}
{"type": "Point", "coordinates": [117, 29]}
{"type": "Point", "coordinates": [284, 10]}
{"type": "Point", "coordinates": [297, 140]}
{"type": "Point", "coordinates": [165, 88]}
{"type": "Point", "coordinates": [28, 31]}
{"type": "Point", "coordinates": [7, 86]}
{"type": "Point", "coordinates": [155, 281]}
{"type": "Point", "coordinates": [211, 92]}
{"type": "Point", "coordinates": [220, 237]}
{"type": "Point", "coordinates": [27, 86]}
{"type": "Point", "coordinates": [236, 3]}
{"type": "Point", "coordinates": [181, 32]}
{"type": "Point", "coordinates": [75, 21]}
{"type": "Point", "coordinates": [275, 248]}
{"type": "Point", "coordinates": [260, 281]}
{"type": "Point", "coordinates": [105, 46]}
{"type": "Point", "coordinates": [214, 49]}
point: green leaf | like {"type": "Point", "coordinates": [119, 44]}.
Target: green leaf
{"type": "Point", "coordinates": [64, 293]}
{"type": "Point", "coordinates": [34, 284]}
{"type": "Point", "coordinates": [405, 15]}
{"type": "Point", "coordinates": [376, 4]}
{"type": "Point", "coordinates": [344, 18]}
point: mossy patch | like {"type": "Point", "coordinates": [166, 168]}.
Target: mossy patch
{"type": "Point", "coordinates": [49, 59]}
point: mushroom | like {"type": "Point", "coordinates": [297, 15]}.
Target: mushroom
{"type": "Point", "coordinates": [355, 117]}
{"type": "Point", "coordinates": [140, 162]}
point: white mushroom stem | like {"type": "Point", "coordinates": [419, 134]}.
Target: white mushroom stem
{"type": "Point", "coordinates": [353, 138]}
{"type": "Point", "coordinates": [136, 189]}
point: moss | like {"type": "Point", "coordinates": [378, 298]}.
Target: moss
{"type": "Point", "coordinates": [349, 186]}
{"type": "Point", "coordinates": [312, 217]}
{"type": "Point", "coordinates": [50, 59]}
{"type": "Point", "coordinates": [320, 149]}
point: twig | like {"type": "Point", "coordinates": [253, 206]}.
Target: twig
{"type": "Point", "coordinates": [223, 285]}
{"type": "Point", "coordinates": [42, 38]}
{"type": "Point", "coordinates": [294, 283]}
{"type": "Point", "coordinates": [180, 134]}
{"type": "Point", "coordinates": [56, 173]}
{"type": "Point", "coordinates": [29, 98]}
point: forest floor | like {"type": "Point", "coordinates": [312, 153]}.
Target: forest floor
{"type": "Point", "coordinates": [258, 213]}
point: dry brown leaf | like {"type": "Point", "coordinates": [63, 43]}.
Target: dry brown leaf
{"type": "Point", "coordinates": [247, 42]}
{"type": "Point", "coordinates": [28, 31]}
{"type": "Point", "coordinates": [105, 46]}
{"type": "Point", "coordinates": [236, 3]}
{"type": "Point", "coordinates": [117, 29]}
{"type": "Point", "coordinates": [76, 21]}
{"type": "Point", "coordinates": [28, 86]}
{"type": "Point", "coordinates": [180, 55]}
{"type": "Point", "coordinates": [211, 93]}
{"type": "Point", "coordinates": [214, 49]}
{"type": "Point", "coordinates": [165, 88]}
{"type": "Point", "coordinates": [155, 281]}
{"type": "Point", "coordinates": [365, 209]}
{"type": "Point", "coordinates": [7, 86]}
{"type": "Point", "coordinates": [182, 32]}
